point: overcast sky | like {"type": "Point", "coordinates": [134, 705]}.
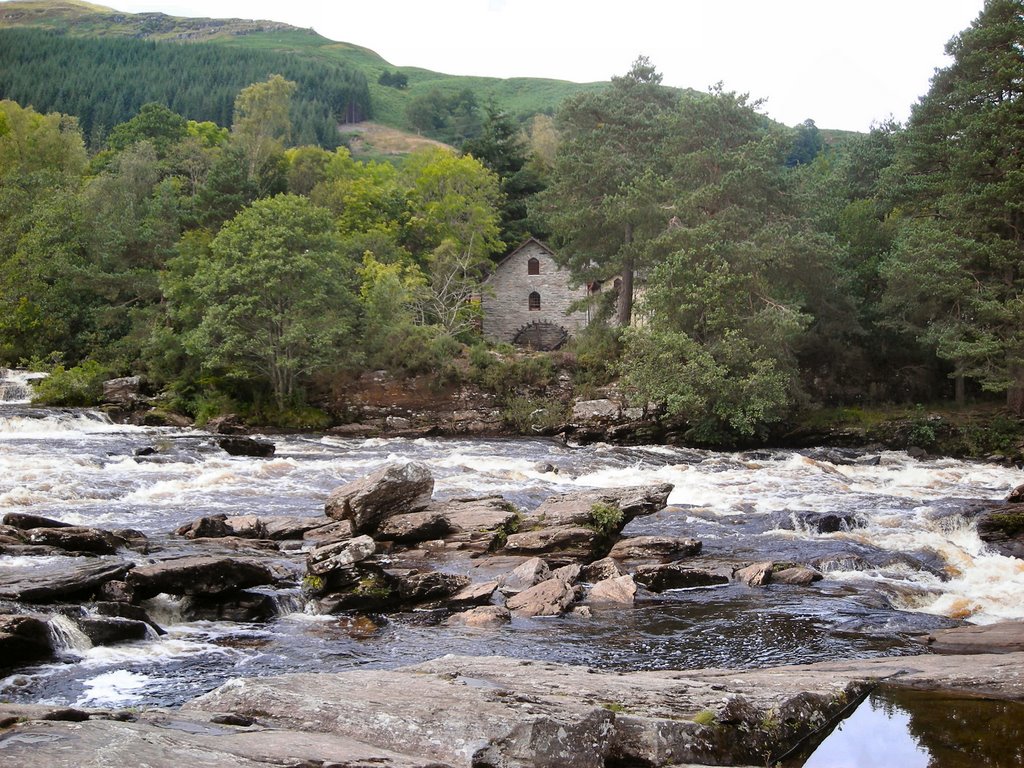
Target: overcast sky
{"type": "Point", "coordinates": [843, 64]}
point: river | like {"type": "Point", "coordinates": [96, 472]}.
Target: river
{"type": "Point", "coordinates": [903, 565]}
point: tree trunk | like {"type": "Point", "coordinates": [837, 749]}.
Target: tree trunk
{"type": "Point", "coordinates": [959, 390]}
{"type": "Point", "coordinates": [625, 314]}
{"type": "Point", "coordinates": [1015, 392]}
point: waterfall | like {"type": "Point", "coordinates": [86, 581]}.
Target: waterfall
{"type": "Point", "coordinates": [16, 387]}
{"type": "Point", "coordinates": [67, 636]}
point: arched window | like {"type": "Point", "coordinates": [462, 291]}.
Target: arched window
{"type": "Point", "coordinates": [534, 300]}
{"type": "Point", "coordinates": [533, 267]}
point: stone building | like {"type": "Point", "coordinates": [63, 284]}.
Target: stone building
{"type": "Point", "coordinates": [527, 300]}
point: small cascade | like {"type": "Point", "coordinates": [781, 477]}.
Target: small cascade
{"type": "Point", "coordinates": [165, 610]}
{"type": "Point", "coordinates": [288, 602]}
{"type": "Point", "coordinates": [67, 636]}
{"type": "Point", "coordinates": [15, 386]}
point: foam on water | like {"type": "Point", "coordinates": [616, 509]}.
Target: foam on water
{"type": "Point", "coordinates": [119, 687]}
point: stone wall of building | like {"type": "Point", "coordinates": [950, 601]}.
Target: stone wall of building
{"type": "Point", "coordinates": [506, 295]}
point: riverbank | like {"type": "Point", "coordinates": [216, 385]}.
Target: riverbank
{"type": "Point", "coordinates": [378, 404]}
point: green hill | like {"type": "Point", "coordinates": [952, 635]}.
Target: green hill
{"type": "Point", "coordinates": [389, 105]}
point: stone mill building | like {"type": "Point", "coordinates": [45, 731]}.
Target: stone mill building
{"type": "Point", "coordinates": [527, 298]}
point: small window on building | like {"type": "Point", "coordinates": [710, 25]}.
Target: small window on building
{"type": "Point", "coordinates": [534, 300]}
{"type": "Point", "coordinates": [533, 267]}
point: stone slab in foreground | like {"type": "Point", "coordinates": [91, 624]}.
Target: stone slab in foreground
{"type": "Point", "coordinates": [496, 711]}
{"type": "Point", "coordinates": [491, 712]}
{"type": "Point", "coordinates": [161, 739]}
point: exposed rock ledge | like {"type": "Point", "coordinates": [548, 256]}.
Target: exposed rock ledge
{"type": "Point", "coordinates": [492, 712]}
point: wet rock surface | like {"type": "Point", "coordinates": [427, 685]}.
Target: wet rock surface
{"type": "Point", "coordinates": [391, 490]}
{"type": "Point", "coordinates": [1004, 637]}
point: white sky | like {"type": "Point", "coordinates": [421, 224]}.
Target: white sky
{"type": "Point", "coordinates": [842, 63]}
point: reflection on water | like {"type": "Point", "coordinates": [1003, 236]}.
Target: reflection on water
{"type": "Point", "coordinates": [897, 728]}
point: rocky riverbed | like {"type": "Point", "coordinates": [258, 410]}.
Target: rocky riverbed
{"type": "Point", "coordinates": [385, 544]}
{"type": "Point", "coordinates": [143, 568]}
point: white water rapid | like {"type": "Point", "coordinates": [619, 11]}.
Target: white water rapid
{"type": "Point", "coordinates": [901, 563]}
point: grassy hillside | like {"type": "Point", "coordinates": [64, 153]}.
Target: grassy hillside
{"type": "Point", "coordinates": [519, 96]}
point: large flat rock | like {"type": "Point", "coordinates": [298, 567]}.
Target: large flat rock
{"type": "Point", "coordinates": [1004, 637]}
{"type": "Point", "coordinates": [487, 712]}
{"type": "Point", "coordinates": [159, 739]}
{"type": "Point", "coordinates": [60, 578]}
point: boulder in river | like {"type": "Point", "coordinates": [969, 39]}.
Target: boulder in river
{"type": "Point", "coordinates": [391, 490]}
{"type": "Point", "coordinates": [563, 543]}
{"type": "Point", "coordinates": [618, 589]}
{"type": "Point", "coordinates": [76, 539]}
{"type": "Point", "coordinates": [198, 576]}
{"type": "Point", "coordinates": [1004, 637]}
{"type": "Point", "coordinates": [23, 640]}
{"type": "Point", "coordinates": [578, 508]}
{"type": "Point", "coordinates": [25, 521]}
{"type": "Point", "coordinates": [65, 579]}
{"type": "Point", "coordinates": [661, 577]}
{"type": "Point", "coordinates": [524, 576]}
{"type": "Point", "coordinates": [238, 445]}
{"type": "Point", "coordinates": [482, 616]}
{"type": "Point", "coordinates": [1002, 528]}
{"type": "Point", "coordinates": [342, 554]}
{"type": "Point", "coordinates": [662, 549]}
{"type": "Point", "coordinates": [549, 598]}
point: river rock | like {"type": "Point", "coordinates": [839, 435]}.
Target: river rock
{"type": "Point", "coordinates": [570, 573]}
{"type": "Point", "coordinates": [599, 570]}
{"type": "Point", "coordinates": [75, 539]}
{"type": "Point", "coordinates": [25, 521]}
{"type": "Point", "coordinates": [1002, 528]}
{"type": "Point", "coordinates": [756, 575]}
{"type": "Point", "coordinates": [391, 490]}
{"type": "Point", "coordinates": [238, 445]}
{"type": "Point", "coordinates": [126, 611]}
{"type": "Point", "coordinates": [661, 577]}
{"type": "Point", "coordinates": [618, 589]}
{"type": "Point", "coordinates": [330, 557]}
{"type": "Point", "coordinates": [197, 576]}
{"type": "Point", "coordinates": [242, 445]}
{"type": "Point", "coordinates": [62, 580]}
{"type": "Point", "coordinates": [271, 527]}
{"type": "Point", "coordinates": [549, 598]}
{"type": "Point", "coordinates": [241, 607]}
{"type": "Point", "coordinates": [796, 575]}
{"type": "Point", "coordinates": [662, 549]}
{"type": "Point", "coordinates": [413, 527]}
{"type": "Point", "coordinates": [477, 525]}
{"type": "Point", "coordinates": [483, 616]}
{"type": "Point", "coordinates": [23, 640]}
{"type": "Point", "coordinates": [1004, 637]}
{"type": "Point", "coordinates": [416, 587]}
{"type": "Point", "coordinates": [474, 594]}
{"type": "Point", "coordinates": [576, 508]}
{"type": "Point", "coordinates": [563, 543]}
{"type": "Point", "coordinates": [529, 574]}
{"type": "Point", "coordinates": [110, 630]}
{"type": "Point", "coordinates": [125, 391]}
{"type": "Point", "coordinates": [329, 534]}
